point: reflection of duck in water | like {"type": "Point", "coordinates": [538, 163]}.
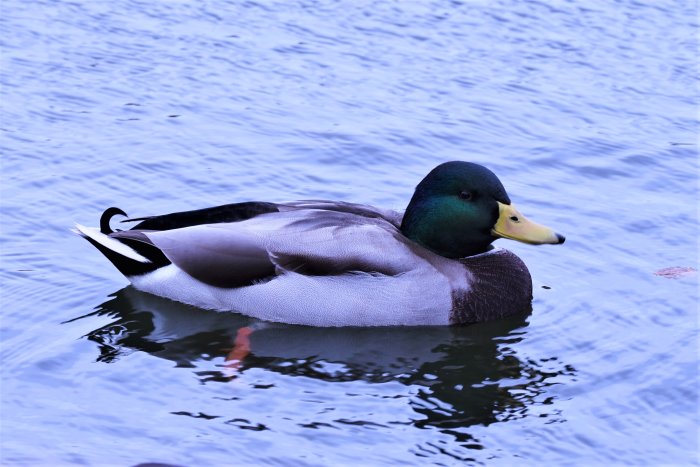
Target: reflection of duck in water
{"type": "Point", "coordinates": [459, 370]}
{"type": "Point", "coordinates": [325, 263]}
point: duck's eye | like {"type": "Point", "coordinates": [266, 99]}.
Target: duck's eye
{"type": "Point", "coordinates": [514, 218]}
{"type": "Point", "coordinates": [466, 195]}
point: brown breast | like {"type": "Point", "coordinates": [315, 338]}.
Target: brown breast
{"type": "Point", "coordinates": [500, 286]}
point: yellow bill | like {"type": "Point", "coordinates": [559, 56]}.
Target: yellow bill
{"type": "Point", "coordinates": [511, 224]}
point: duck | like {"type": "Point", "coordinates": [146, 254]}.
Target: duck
{"type": "Point", "coordinates": [334, 264]}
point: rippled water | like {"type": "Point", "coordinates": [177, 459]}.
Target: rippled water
{"type": "Point", "coordinates": [587, 110]}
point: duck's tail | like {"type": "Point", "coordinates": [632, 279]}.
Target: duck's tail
{"type": "Point", "coordinates": [131, 252]}
{"type": "Point", "coordinates": [107, 216]}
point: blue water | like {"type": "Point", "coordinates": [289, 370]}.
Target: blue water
{"type": "Point", "coordinates": [586, 110]}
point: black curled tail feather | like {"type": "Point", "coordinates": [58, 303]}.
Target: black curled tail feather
{"type": "Point", "coordinates": [135, 256]}
{"type": "Point", "coordinates": [107, 216]}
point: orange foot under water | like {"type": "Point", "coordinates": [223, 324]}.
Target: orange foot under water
{"type": "Point", "coordinates": [240, 350]}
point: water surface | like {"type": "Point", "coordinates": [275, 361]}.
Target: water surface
{"type": "Point", "coordinates": [587, 111]}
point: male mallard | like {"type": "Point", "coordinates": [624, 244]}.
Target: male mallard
{"type": "Point", "coordinates": [325, 263]}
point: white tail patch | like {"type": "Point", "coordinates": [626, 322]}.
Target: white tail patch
{"type": "Point", "coordinates": [110, 243]}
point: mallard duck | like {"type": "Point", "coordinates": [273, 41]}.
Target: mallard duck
{"type": "Point", "coordinates": [325, 263]}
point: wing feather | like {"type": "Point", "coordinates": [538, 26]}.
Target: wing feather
{"type": "Point", "coordinates": [306, 241]}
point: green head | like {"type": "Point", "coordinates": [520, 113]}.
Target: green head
{"type": "Point", "coordinates": [460, 208]}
